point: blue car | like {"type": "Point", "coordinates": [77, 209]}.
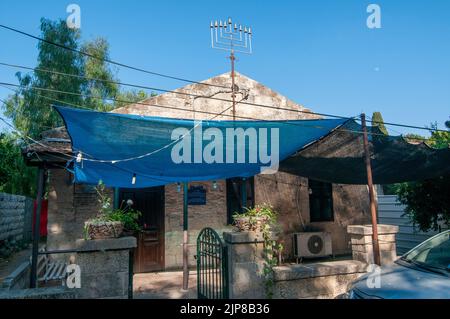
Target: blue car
{"type": "Point", "coordinates": [422, 273]}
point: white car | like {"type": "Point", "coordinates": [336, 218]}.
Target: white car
{"type": "Point", "coordinates": [422, 273]}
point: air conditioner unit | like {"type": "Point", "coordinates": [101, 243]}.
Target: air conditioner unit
{"type": "Point", "coordinates": [312, 244]}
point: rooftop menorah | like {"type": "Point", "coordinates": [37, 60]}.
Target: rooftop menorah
{"type": "Point", "coordinates": [231, 37]}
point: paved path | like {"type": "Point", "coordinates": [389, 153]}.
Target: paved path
{"type": "Point", "coordinates": [164, 285]}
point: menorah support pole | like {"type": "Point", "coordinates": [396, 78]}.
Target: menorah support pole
{"type": "Point", "coordinates": [233, 93]}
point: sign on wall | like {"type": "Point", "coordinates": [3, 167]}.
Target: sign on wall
{"type": "Point", "coordinates": [197, 195]}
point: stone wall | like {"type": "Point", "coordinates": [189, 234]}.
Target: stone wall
{"type": "Point", "coordinates": [289, 196]}
{"type": "Point", "coordinates": [325, 280]}
{"type": "Point", "coordinates": [362, 243]}
{"type": "Point", "coordinates": [69, 206]}
{"type": "Point", "coordinates": [38, 293]}
{"type": "Point", "coordinates": [213, 215]}
{"type": "Point", "coordinates": [15, 217]}
{"type": "Point", "coordinates": [245, 265]}
{"type": "Point", "coordinates": [291, 281]}
{"type": "Point", "coordinates": [104, 266]}
{"type": "Point", "coordinates": [249, 91]}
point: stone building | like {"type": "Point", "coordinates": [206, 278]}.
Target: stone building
{"type": "Point", "coordinates": [160, 248]}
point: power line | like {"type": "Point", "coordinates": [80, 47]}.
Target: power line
{"type": "Point", "coordinates": [139, 103]}
{"type": "Point", "coordinates": [210, 97]}
{"type": "Point", "coordinates": [93, 159]}
{"type": "Point", "coordinates": [112, 162]}
{"type": "Point", "coordinates": [175, 92]}
{"type": "Point", "coordinates": [165, 106]}
{"type": "Point", "coordinates": [172, 107]}
{"type": "Point", "coordinates": [121, 160]}
{"type": "Point", "coordinates": [108, 60]}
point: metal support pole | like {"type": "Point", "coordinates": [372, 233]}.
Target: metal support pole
{"type": "Point", "coordinates": [373, 208]}
{"type": "Point", "coordinates": [116, 197]}
{"type": "Point", "coordinates": [185, 238]}
{"type": "Point", "coordinates": [37, 227]}
{"type": "Point", "coordinates": [233, 93]}
{"type": "Point", "coordinates": [244, 193]}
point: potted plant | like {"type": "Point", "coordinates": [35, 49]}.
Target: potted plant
{"type": "Point", "coordinates": [254, 219]}
{"type": "Point", "coordinates": [110, 222]}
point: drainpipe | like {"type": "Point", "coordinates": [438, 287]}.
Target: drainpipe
{"type": "Point", "coordinates": [185, 237]}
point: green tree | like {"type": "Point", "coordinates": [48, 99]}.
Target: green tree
{"type": "Point", "coordinates": [92, 82]}
{"type": "Point", "coordinates": [377, 120]}
{"type": "Point", "coordinates": [101, 89]}
{"type": "Point", "coordinates": [15, 176]}
{"type": "Point", "coordinates": [31, 109]}
{"type": "Point", "coordinates": [428, 202]}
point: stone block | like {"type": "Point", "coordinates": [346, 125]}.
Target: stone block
{"type": "Point", "coordinates": [38, 293]}
{"type": "Point", "coordinates": [365, 239]}
{"type": "Point", "coordinates": [103, 285]}
{"type": "Point", "coordinates": [243, 237]}
{"type": "Point", "coordinates": [99, 262]}
{"type": "Point", "coordinates": [320, 269]}
{"type": "Point", "coordinates": [362, 244]}
{"type": "Point", "coordinates": [106, 244]}
{"type": "Point", "coordinates": [367, 229]}
{"type": "Point", "coordinates": [315, 287]}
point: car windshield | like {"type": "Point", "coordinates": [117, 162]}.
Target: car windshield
{"type": "Point", "coordinates": [433, 253]}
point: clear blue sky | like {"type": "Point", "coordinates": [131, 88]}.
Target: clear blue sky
{"type": "Point", "coordinates": [318, 53]}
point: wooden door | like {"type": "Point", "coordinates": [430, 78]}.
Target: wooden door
{"type": "Point", "coordinates": [149, 254]}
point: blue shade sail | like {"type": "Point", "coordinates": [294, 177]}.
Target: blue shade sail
{"type": "Point", "coordinates": [159, 151]}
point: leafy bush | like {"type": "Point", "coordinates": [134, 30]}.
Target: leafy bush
{"type": "Point", "coordinates": [428, 202]}
{"type": "Point", "coordinates": [262, 211]}
{"type": "Point", "coordinates": [127, 216]}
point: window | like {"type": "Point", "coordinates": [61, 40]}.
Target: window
{"type": "Point", "coordinates": [234, 196]}
{"type": "Point", "coordinates": [320, 201]}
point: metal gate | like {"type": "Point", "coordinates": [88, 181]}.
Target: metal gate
{"type": "Point", "coordinates": [212, 266]}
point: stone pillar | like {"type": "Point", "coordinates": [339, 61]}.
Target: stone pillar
{"type": "Point", "coordinates": [362, 248]}
{"type": "Point", "coordinates": [245, 264]}
{"type": "Point", "coordinates": [104, 265]}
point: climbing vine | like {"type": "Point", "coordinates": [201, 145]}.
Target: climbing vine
{"type": "Point", "coordinates": [263, 218]}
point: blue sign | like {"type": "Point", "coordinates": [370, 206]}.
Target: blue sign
{"type": "Point", "coordinates": [197, 195]}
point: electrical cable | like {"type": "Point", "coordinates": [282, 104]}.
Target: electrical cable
{"type": "Point", "coordinates": [106, 60]}
{"type": "Point", "coordinates": [207, 97]}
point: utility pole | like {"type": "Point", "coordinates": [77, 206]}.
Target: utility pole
{"type": "Point", "coordinates": [233, 38]}
{"type": "Point", "coordinates": [373, 209]}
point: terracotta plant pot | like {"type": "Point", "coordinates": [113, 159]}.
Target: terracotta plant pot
{"type": "Point", "coordinates": [103, 230]}
{"type": "Point", "coordinates": [246, 223]}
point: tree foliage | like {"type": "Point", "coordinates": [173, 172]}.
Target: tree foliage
{"type": "Point", "coordinates": [102, 87]}
{"type": "Point", "coordinates": [15, 176]}
{"type": "Point", "coordinates": [30, 109]}
{"type": "Point", "coordinates": [377, 120]}
{"type": "Point", "coordinates": [91, 85]}
{"type": "Point", "coordinates": [428, 202]}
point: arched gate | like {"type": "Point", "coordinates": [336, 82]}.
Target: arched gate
{"type": "Point", "coordinates": [212, 266]}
